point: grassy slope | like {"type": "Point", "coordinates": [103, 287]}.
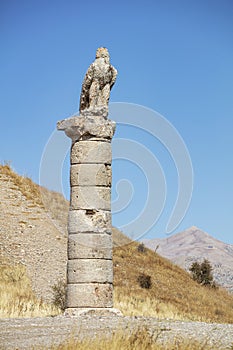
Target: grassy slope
{"type": "Point", "coordinates": [28, 188]}
{"type": "Point", "coordinates": [50, 201]}
{"type": "Point", "coordinates": [173, 294]}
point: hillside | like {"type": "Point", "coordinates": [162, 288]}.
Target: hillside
{"type": "Point", "coordinates": [29, 236]}
{"type": "Point", "coordinates": [28, 233]}
{"type": "Point", "coordinates": [194, 244]}
{"type": "Point", "coordinates": [173, 293]}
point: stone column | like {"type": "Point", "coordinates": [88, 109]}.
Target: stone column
{"type": "Point", "coordinates": [89, 267]}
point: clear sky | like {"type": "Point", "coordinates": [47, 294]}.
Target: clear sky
{"type": "Point", "coordinates": [173, 56]}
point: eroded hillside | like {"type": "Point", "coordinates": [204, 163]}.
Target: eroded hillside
{"type": "Point", "coordinates": [28, 233]}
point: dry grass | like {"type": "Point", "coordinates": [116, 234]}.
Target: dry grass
{"type": "Point", "coordinates": [27, 187]}
{"type": "Point", "coordinates": [136, 306]}
{"type": "Point", "coordinates": [173, 293]}
{"type": "Point", "coordinates": [140, 339]}
{"type": "Point", "coordinates": [119, 239]}
{"type": "Point", "coordinates": [17, 298]}
{"type": "Point", "coordinates": [53, 202]}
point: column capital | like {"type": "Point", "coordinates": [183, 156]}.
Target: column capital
{"type": "Point", "coordinates": [87, 127]}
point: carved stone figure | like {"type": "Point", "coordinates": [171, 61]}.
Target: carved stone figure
{"type": "Point", "coordinates": [98, 81]}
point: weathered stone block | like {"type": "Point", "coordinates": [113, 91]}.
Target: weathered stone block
{"type": "Point", "coordinates": [89, 295]}
{"type": "Point", "coordinates": [91, 152]}
{"type": "Point", "coordinates": [90, 175]}
{"type": "Point", "coordinates": [88, 126]}
{"type": "Point", "coordinates": [90, 245]}
{"type": "Point", "coordinates": [90, 197]}
{"type": "Point", "coordinates": [89, 271]}
{"type": "Point", "coordinates": [92, 311]}
{"type": "Point", "coordinates": [89, 221]}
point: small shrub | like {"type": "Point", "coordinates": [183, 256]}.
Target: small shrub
{"type": "Point", "coordinates": [15, 275]}
{"type": "Point", "coordinates": [59, 294]}
{"type": "Point", "coordinates": [144, 281]}
{"type": "Point", "coordinates": [141, 248]}
{"type": "Point", "coordinates": [202, 273]}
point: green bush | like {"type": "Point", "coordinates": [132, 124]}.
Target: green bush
{"type": "Point", "coordinates": [202, 273]}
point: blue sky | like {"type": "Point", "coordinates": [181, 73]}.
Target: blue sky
{"type": "Point", "coordinates": [174, 57]}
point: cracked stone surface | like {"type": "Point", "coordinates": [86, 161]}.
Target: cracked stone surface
{"type": "Point", "coordinates": [83, 127]}
{"type": "Point", "coordinates": [91, 175]}
{"type": "Point", "coordinates": [90, 245]}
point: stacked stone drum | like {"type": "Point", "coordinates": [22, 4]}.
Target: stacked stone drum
{"type": "Point", "coordinates": [89, 268]}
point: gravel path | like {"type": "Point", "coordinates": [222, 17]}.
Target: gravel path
{"type": "Point", "coordinates": [43, 332]}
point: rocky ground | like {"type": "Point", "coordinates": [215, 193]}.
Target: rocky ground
{"type": "Point", "coordinates": [23, 334]}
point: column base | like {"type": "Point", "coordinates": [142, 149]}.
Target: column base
{"type": "Point", "coordinates": [75, 312]}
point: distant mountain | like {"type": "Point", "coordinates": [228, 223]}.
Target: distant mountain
{"type": "Point", "coordinates": [194, 244]}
